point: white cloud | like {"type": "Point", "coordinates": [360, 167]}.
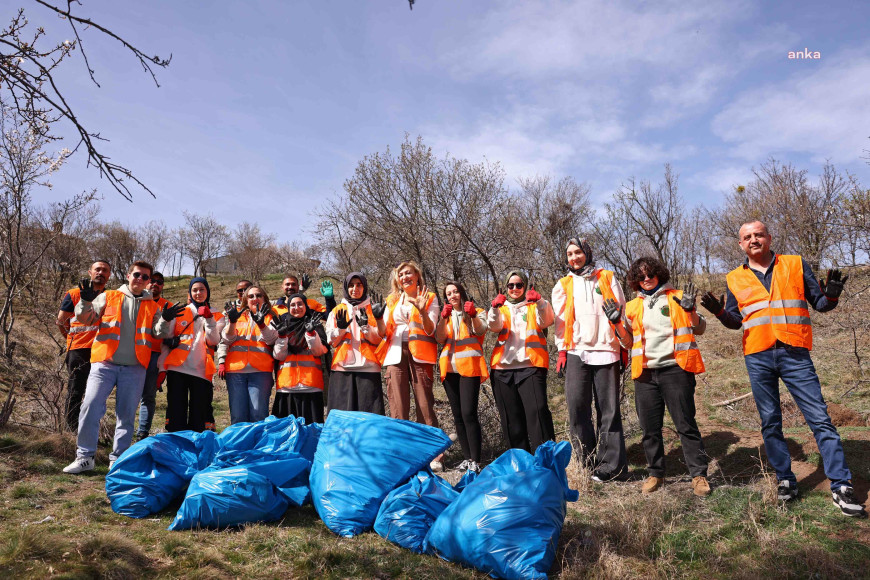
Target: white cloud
{"type": "Point", "coordinates": [820, 109]}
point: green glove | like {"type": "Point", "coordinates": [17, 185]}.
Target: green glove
{"type": "Point", "coordinates": [326, 289]}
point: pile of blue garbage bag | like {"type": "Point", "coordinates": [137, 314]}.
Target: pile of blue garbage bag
{"type": "Point", "coordinates": [361, 472]}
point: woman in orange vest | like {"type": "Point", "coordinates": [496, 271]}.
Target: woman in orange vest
{"type": "Point", "coordinates": [519, 363]}
{"type": "Point", "coordinates": [301, 342]}
{"type": "Point", "coordinates": [354, 330]}
{"type": "Point", "coordinates": [187, 360]}
{"type": "Point", "coordinates": [461, 331]}
{"type": "Point", "coordinates": [248, 338]}
{"type": "Point", "coordinates": [662, 323]}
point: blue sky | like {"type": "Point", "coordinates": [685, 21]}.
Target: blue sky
{"type": "Point", "coordinates": [268, 105]}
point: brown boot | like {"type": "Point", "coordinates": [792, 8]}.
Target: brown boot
{"type": "Point", "coordinates": [651, 484]}
{"type": "Point", "coordinates": [700, 486]}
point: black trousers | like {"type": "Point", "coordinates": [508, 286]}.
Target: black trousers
{"type": "Point", "coordinates": [306, 405]}
{"type": "Point", "coordinates": [603, 442]}
{"type": "Point", "coordinates": [464, 394]}
{"type": "Point", "coordinates": [188, 402]}
{"type": "Point", "coordinates": [356, 392]}
{"type": "Point", "coordinates": [78, 364]}
{"type": "Point", "coordinates": [675, 388]}
{"type": "Point", "coordinates": [521, 398]}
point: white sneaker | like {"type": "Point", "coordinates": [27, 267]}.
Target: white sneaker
{"type": "Point", "coordinates": [436, 466]}
{"type": "Point", "coordinates": [474, 466]}
{"type": "Point", "coordinates": [463, 466]}
{"type": "Point", "coordinates": [80, 465]}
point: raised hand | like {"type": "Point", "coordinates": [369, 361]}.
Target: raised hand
{"type": "Point", "coordinates": [341, 319]}
{"type": "Point", "coordinates": [378, 305]}
{"type": "Point", "coordinates": [612, 310]}
{"type": "Point", "coordinates": [204, 311]}
{"type": "Point", "coordinates": [362, 318]}
{"type": "Point", "coordinates": [499, 301]}
{"type": "Point", "coordinates": [282, 326]}
{"type": "Point", "coordinates": [171, 312]}
{"type": "Point", "coordinates": [259, 317]}
{"type": "Point", "coordinates": [231, 312]}
{"type": "Point", "coordinates": [687, 302]}
{"type": "Point", "coordinates": [304, 282]}
{"type": "Point", "coordinates": [420, 300]}
{"type": "Point", "coordinates": [312, 322]}
{"type": "Point", "coordinates": [533, 295]}
{"type": "Point", "coordinates": [87, 292]}
{"type": "Point", "coordinates": [714, 305]}
{"type": "Point", "coordinates": [833, 285]}
{"type": "Point", "coordinates": [469, 308]}
{"type": "Point", "coordinates": [446, 311]}
{"type": "Point", "coordinates": [326, 289]}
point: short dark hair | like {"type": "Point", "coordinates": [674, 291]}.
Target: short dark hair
{"type": "Point", "coordinates": [141, 264]}
{"type": "Point", "coordinates": [649, 266]}
{"type": "Point", "coordinates": [290, 277]}
{"type": "Point", "coordinates": [245, 281]}
{"type": "Point", "coordinates": [158, 275]}
{"type": "Point", "coordinates": [101, 261]}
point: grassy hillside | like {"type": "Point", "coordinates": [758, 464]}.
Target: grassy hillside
{"type": "Point", "coordinates": [54, 524]}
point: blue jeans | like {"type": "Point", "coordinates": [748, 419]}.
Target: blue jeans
{"type": "Point", "coordinates": [795, 367]}
{"type": "Point", "coordinates": [149, 398]}
{"type": "Point", "coordinates": [103, 378]}
{"type": "Point", "coordinates": [248, 394]}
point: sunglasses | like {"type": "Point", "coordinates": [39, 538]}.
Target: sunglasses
{"type": "Point", "coordinates": [647, 276]}
{"type": "Point", "coordinates": [518, 286]}
{"type": "Point", "coordinates": [254, 296]}
{"type": "Point", "coordinates": [240, 290]}
{"type": "Point", "coordinates": [157, 281]}
{"type": "Point", "coordinates": [144, 277]}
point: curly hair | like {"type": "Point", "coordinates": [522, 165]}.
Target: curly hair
{"type": "Point", "coordinates": [649, 266]}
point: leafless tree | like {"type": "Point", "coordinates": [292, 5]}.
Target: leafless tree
{"type": "Point", "coordinates": [204, 239]}
{"type": "Point", "coordinates": [155, 240]}
{"type": "Point", "coordinates": [120, 245]}
{"type": "Point", "coordinates": [31, 86]}
{"type": "Point", "coordinates": [254, 250]}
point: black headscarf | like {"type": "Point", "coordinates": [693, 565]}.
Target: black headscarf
{"type": "Point", "coordinates": [365, 283]}
{"type": "Point", "coordinates": [589, 266]}
{"type": "Point", "coordinates": [296, 342]}
{"type": "Point", "coordinates": [204, 282]}
{"type": "Point", "coordinates": [525, 280]}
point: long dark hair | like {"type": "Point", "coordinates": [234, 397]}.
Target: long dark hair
{"type": "Point", "coordinates": [463, 295]}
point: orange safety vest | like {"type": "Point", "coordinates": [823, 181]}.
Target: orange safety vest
{"type": "Point", "coordinates": [158, 343]}
{"type": "Point", "coordinates": [466, 351]}
{"type": "Point", "coordinates": [300, 368]}
{"type": "Point", "coordinates": [79, 335]}
{"type": "Point", "coordinates": [366, 348]}
{"type": "Point", "coordinates": [685, 349]}
{"type": "Point", "coordinates": [604, 278]}
{"type": "Point", "coordinates": [423, 347]}
{"type": "Point", "coordinates": [249, 351]}
{"type": "Point", "coordinates": [184, 330]}
{"type": "Point", "coordinates": [781, 314]}
{"type": "Point", "coordinates": [536, 341]}
{"type": "Point", "coordinates": [314, 305]}
{"type": "Point", "coordinates": [109, 333]}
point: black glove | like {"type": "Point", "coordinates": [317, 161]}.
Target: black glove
{"type": "Point", "coordinates": [282, 326]}
{"type": "Point", "coordinates": [304, 282]}
{"type": "Point", "coordinates": [362, 318]}
{"type": "Point", "coordinates": [231, 312]}
{"type": "Point", "coordinates": [612, 310]}
{"type": "Point", "coordinates": [715, 305]}
{"type": "Point", "coordinates": [170, 312]}
{"type": "Point", "coordinates": [313, 321]}
{"type": "Point", "coordinates": [172, 342]}
{"type": "Point", "coordinates": [341, 319]}
{"type": "Point", "coordinates": [687, 302]}
{"type": "Point", "coordinates": [378, 306]}
{"type": "Point", "coordinates": [259, 316]}
{"type": "Point", "coordinates": [833, 286]}
{"type": "Point", "coordinates": [87, 292]}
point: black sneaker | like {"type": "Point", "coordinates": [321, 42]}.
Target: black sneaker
{"type": "Point", "coordinates": [786, 490]}
{"type": "Point", "coordinates": [845, 500]}
{"type": "Point", "coordinates": [602, 476]}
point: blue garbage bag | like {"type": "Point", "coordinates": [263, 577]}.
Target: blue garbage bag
{"type": "Point", "coordinates": [300, 494]}
{"type": "Point", "coordinates": [507, 521]}
{"type": "Point", "coordinates": [272, 435]}
{"type": "Point", "coordinates": [361, 457]}
{"type": "Point", "coordinates": [254, 492]}
{"type": "Point", "coordinates": [156, 470]}
{"type": "Point", "coordinates": [408, 511]}
{"type": "Point", "coordinates": [466, 478]}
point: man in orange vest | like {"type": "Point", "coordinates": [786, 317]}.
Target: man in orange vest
{"type": "Point", "coordinates": [128, 321]}
{"type": "Point", "coordinates": [768, 297]}
{"type": "Point", "coordinates": [149, 392]}
{"type": "Point", "coordinates": [79, 338]}
{"type": "Point", "coordinates": [290, 286]}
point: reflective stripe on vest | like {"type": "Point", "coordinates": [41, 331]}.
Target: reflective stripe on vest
{"type": "Point", "coordinates": [422, 346]}
{"type": "Point", "coordinates": [466, 352]}
{"type": "Point", "coordinates": [109, 332]}
{"type": "Point", "coordinates": [367, 350]}
{"type": "Point", "coordinates": [184, 330]}
{"type": "Point", "coordinates": [780, 314]}
{"type": "Point", "coordinates": [686, 351]}
{"type": "Point", "coordinates": [79, 335]}
{"type": "Point", "coordinates": [251, 351]}
{"type": "Point", "coordinates": [604, 280]}
{"type": "Point", "coordinates": [300, 368]}
{"type": "Point", "coordinates": [535, 341]}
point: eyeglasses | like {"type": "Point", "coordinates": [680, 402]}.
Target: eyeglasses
{"type": "Point", "coordinates": [518, 285]}
{"type": "Point", "coordinates": [144, 277]}
{"type": "Point", "coordinates": [254, 296]}
{"type": "Point", "coordinates": [240, 290]}
{"type": "Point", "coordinates": [646, 276]}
